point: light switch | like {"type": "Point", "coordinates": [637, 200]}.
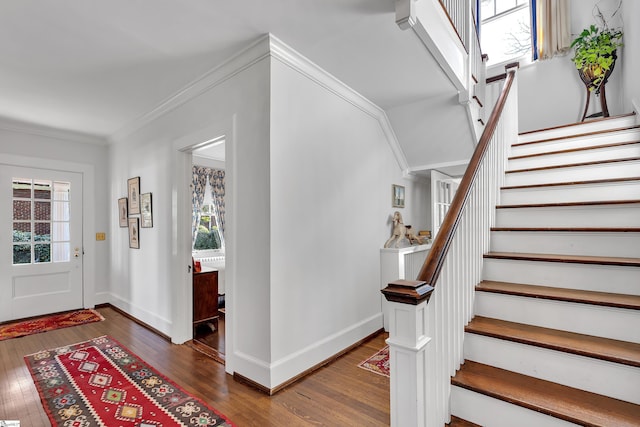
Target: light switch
{"type": "Point", "coordinates": [101, 236]}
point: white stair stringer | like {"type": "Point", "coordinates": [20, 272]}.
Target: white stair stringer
{"type": "Point", "coordinates": [580, 128]}
{"type": "Point", "coordinates": [594, 215]}
{"type": "Point", "coordinates": [589, 277]}
{"type": "Point", "coordinates": [624, 244]}
{"type": "Point", "coordinates": [618, 190]}
{"type": "Point", "coordinates": [607, 378]}
{"type": "Point", "coordinates": [578, 172]}
{"type": "Point", "coordinates": [488, 411]}
{"type": "Point", "coordinates": [587, 319]}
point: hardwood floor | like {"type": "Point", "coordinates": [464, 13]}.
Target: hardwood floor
{"type": "Point", "coordinates": [339, 394]}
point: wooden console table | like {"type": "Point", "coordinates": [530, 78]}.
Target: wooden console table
{"type": "Point", "coordinates": [205, 297]}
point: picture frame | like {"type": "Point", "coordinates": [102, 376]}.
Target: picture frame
{"type": "Point", "coordinates": [133, 190]}
{"type": "Point", "coordinates": [134, 233]}
{"type": "Point", "coordinates": [146, 214]}
{"type": "Point", "coordinates": [397, 196]}
{"type": "Point", "coordinates": [122, 212]}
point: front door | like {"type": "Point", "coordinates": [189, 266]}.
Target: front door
{"type": "Point", "coordinates": [40, 242]}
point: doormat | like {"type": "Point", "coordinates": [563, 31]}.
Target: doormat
{"type": "Point", "coordinates": [378, 363]}
{"type": "Point", "coordinates": [48, 323]}
{"type": "Point", "coordinates": [101, 382]}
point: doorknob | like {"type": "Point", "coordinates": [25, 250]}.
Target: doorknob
{"type": "Point", "coordinates": [76, 252]}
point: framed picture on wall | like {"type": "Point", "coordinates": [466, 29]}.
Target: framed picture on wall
{"type": "Point", "coordinates": [397, 196]}
{"type": "Point", "coordinates": [133, 188]}
{"type": "Point", "coordinates": [146, 216]}
{"type": "Point", "coordinates": [122, 212]}
{"type": "Point", "coordinates": [134, 233]}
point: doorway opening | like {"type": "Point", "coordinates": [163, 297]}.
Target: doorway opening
{"type": "Point", "coordinates": [208, 247]}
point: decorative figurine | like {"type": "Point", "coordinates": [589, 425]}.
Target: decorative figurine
{"type": "Point", "coordinates": [399, 230]}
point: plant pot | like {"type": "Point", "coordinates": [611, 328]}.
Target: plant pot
{"type": "Point", "coordinates": [594, 77]}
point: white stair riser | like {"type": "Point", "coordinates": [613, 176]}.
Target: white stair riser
{"type": "Point", "coordinates": [619, 152]}
{"type": "Point", "coordinates": [488, 411]}
{"type": "Point", "coordinates": [615, 244]}
{"type": "Point", "coordinates": [588, 319]}
{"type": "Point", "coordinates": [628, 190]}
{"type": "Point", "coordinates": [606, 378]}
{"type": "Point", "coordinates": [586, 127]}
{"type": "Point", "coordinates": [570, 216]}
{"type": "Point", "coordinates": [575, 142]}
{"type": "Point", "coordinates": [627, 169]}
{"type": "Point", "coordinates": [602, 278]}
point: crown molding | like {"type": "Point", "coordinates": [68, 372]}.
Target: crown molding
{"type": "Point", "coordinates": [296, 61]}
{"type": "Point", "coordinates": [269, 46]}
{"type": "Point", "coordinates": [49, 132]}
{"type": "Point", "coordinates": [244, 59]}
{"type": "Point", "coordinates": [439, 165]}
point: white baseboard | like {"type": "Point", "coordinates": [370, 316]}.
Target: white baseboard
{"type": "Point", "coordinates": [272, 375]}
{"type": "Point", "coordinates": [152, 319]}
{"type": "Point", "coordinates": [102, 298]}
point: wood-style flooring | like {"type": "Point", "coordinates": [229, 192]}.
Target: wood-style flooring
{"type": "Point", "coordinates": [338, 394]}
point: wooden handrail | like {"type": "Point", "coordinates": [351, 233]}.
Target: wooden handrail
{"type": "Point", "coordinates": [435, 260]}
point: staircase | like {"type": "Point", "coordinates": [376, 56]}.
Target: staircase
{"type": "Point", "coordinates": [555, 340]}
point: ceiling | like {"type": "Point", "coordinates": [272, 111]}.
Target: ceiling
{"type": "Point", "coordinates": [95, 67]}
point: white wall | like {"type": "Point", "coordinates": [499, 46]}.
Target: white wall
{"type": "Point", "coordinates": [331, 175]}
{"type": "Point", "coordinates": [309, 201]}
{"type": "Point", "coordinates": [76, 153]}
{"type": "Point", "coordinates": [552, 94]}
{"type": "Point", "coordinates": [631, 52]}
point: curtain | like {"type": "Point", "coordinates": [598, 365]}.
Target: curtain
{"type": "Point", "coordinates": [552, 28]}
{"type": "Point", "coordinates": [199, 183]}
{"type": "Point", "coordinates": [216, 179]}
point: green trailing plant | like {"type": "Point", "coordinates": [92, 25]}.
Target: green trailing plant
{"type": "Point", "coordinates": [595, 54]}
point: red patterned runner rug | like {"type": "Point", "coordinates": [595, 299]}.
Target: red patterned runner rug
{"type": "Point", "coordinates": [48, 323]}
{"type": "Point", "coordinates": [378, 363]}
{"type": "Point", "coordinates": [101, 383]}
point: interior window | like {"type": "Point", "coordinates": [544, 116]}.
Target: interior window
{"type": "Point", "coordinates": [505, 29]}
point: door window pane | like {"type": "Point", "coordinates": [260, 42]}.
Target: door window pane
{"type": "Point", "coordinates": [41, 225]}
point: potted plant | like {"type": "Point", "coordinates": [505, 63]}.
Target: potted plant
{"type": "Point", "coordinates": [595, 55]}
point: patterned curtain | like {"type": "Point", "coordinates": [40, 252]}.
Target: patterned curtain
{"type": "Point", "coordinates": [216, 179]}
{"type": "Point", "coordinates": [199, 183]}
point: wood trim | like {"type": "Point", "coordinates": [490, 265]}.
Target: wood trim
{"type": "Point", "coordinates": [271, 391]}
{"type": "Point", "coordinates": [624, 353]}
{"type": "Point", "coordinates": [560, 401]}
{"type": "Point", "coordinates": [570, 165]}
{"type": "Point", "coordinates": [565, 204]}
{"type": "Point", "coordinates": [408, 291]}
{"type": "Point", "coordinates": [478, 101]}
{"type": "Point", "coordinates": [497, 78]}
{"type": "Point", "coordinates": [559, 184]}
{"type": "Point", "coordinates": [579, 296]}
{"type": "Point", "coordinates": [474, 78]}
{"type": "Point", "coordinates": [577, 135]}
{"type": "Point", "coordinates": [430, 271]}
{"type": "Point", "coordinates": [569, 259]}
{"type": "Point", "coordinates": [136, 320]}
{"type": "Point", "coordinates": [571, 229]}
{"type": "Point", "coordinates": [574, 150]}
{"type": "Point", "coordinates": [481, 122]}
{"type": "Point", "coordinates": [459, 422]}
{"type": "Point", "coordinates": [578, 123]}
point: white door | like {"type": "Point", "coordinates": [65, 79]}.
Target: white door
{"type": "Point", "coordinates": [40, 242]}
{"type": "Point", "coordinates": [443, 188]}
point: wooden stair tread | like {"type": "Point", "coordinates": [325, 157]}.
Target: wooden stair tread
{"type": "Point", "coordinates": [575, 259]}
{"type": "Point", "coordinates": [459, 422]}
{"type": "Point", "coordinates": [566, 204]}
{"type": "Point", "coordinates": [568, 183]}
{"type": "Point", "coordinates": [572, 229]}
{"type": "Point", "coordinates": [568, 125]}
{"type": "Point", "coordinates": [570, 404]}
{"type": "Point", "coordinates": [562, 294]}
{"type": "Point", "coordinates": [626, 353]}
{"type": "Point", "coordinates": [578, 135]}
{"type": "Point", "coordinates": [571, 165]}
{"type": "Point", "coordinates": [573, 150]}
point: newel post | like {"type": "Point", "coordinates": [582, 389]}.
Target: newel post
{"type": "Point", "coordinates": [407, 350]}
